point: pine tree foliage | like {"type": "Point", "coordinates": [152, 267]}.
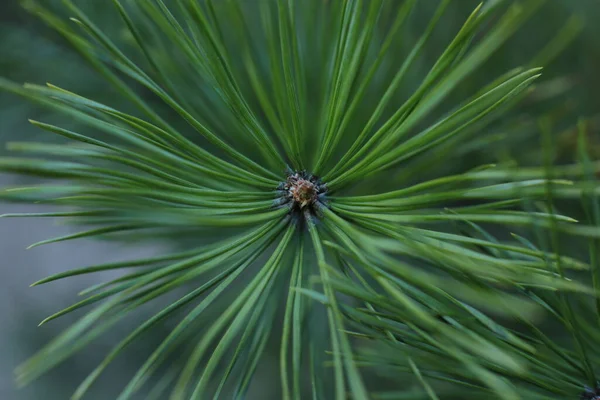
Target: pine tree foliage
{"type": "Point", "coordinates": [307, 191]}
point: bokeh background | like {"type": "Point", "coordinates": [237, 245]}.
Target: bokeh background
{"type": "Point", "coordinates": [30, 52]}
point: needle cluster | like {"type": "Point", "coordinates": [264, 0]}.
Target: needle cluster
{"type": "Point", "coordinates": [409, 229]}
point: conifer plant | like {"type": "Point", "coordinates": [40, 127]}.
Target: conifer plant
{"type": "Point", "coordinates": [316, 206]}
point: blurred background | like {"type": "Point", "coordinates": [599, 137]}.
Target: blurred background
{"type": "Point", "coordinates": [30, 52]}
